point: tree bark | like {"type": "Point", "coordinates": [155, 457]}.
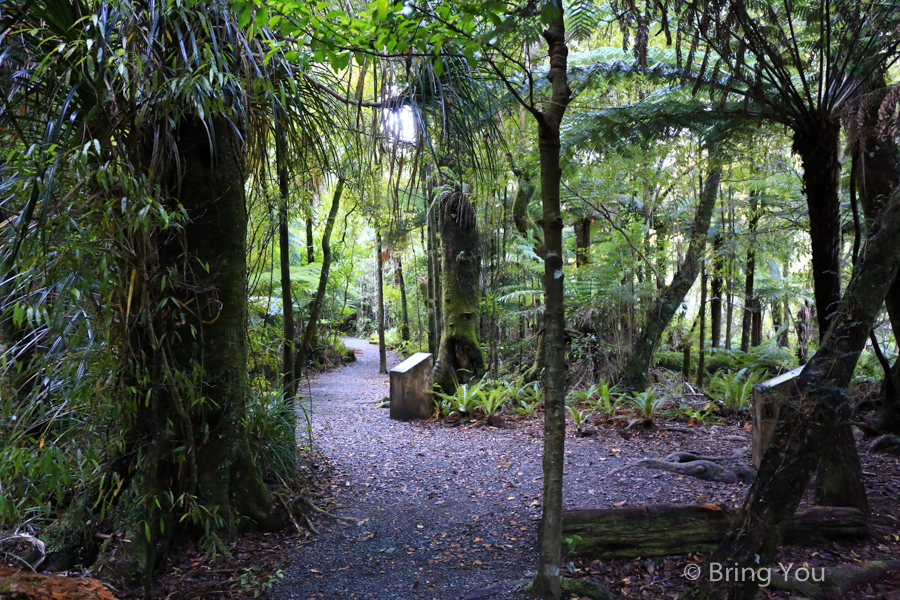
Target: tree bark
{"type": "Point", "coordinates": [837, 482]}
{"type": "Point", "coordinates": [701, 363]}
{"type": "Point", "coordinates": [547, 580]}
{"type": "Point", "coordinates": [807, 423]}
{"type": "Point", "coordinates": [718, 288]}
{"type": "Point", "coordinates": [666, 529]}
{"type": "Point", "coordinates": [750, 303]}
{"type": "Point", "coordinates": [289, 375]}
{"type": "Point", "coordinates": [307, 345]}
{"type": "Point", "coordinates": [582, 242]}
{"type": "Point", "coordinates": [404, 308]}
{"type": "Point", "coordinates": [661, 310]}
{"type": "Point", "coordinates": [877, 178]}
{"type": "Point", "coordinates": [379, 285]}
{"type": "Point", "coordinates": [819, 151]}
{"type": "Point", "coordinates": [459, 357]}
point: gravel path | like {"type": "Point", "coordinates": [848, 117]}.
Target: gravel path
{"type": "Point", "coordinates": [450, 512]}
{"type": "Point", "coordinates": [444, 512]}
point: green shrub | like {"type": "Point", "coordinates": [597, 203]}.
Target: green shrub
{"type": "Point", "coordinates": [467, 398]}
{"type": "Point", "coordinates": [645, 404]}
{"type": "Point", "coordinates": [734, 390]}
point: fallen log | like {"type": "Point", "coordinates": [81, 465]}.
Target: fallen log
{"type": "Point", "coordinates": [664, 529]}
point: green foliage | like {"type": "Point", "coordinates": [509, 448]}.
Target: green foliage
{"type": "Point", "coordinates": [645, 404]}
{"type": "Point", "coordinates": [270, 425]}
{"type": "Point", "coordinates": [693, 413]}
{"type": "Point", "coordinates": [526, 407]}
{"type": "Point", "coordinates": [584, 396]}
{"type": "Point", "coordinates": [604, 404]}
{"type": "Point", "coordinates": [253, 582]}
{"type": "Point", "coordinates": [578, 416]}
{"type": "Point", "coordinates": [463, 403]}
{"type": "Point", "coordinates": [494, 400]}
{"type": "Point", "coordinates": [734, 390]}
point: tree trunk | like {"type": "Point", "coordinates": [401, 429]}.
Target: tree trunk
{"type": "Point", "coordinates": [289, 375]}
{"type": "Point", "coordinates": [190, 439]}
{"type": "Point", "coordinates": [661, 311]}
{"type": "Point", "coordinates": [309, 334]}
{"type": "Point", "coordinates": [547, 580]}
{"type": "Point", "coordinates": [404, 308]}
{"type": "Point", "coordinates": [807, 423]}
{"type": "Point", "coordinates": [878, 177]}
{"type": "Point", "coordinates": [379, 285]}
{"type": "Point", "coordinates": [310, 241]}
{"type": "Point", "coordinates": [430, 284]}
{"type": "Point", "coordinates": [459, 358]}
{"type": "Point", "coordinates": [819, 152]}
{"type": "Point", "coordinates": [582, 242]}
{"type": "Point", "coordinates": [700, 361]}
{"type": "Point", "coordinates": [750, 304]}
{"type": "Point", "coordinates": [715, 303]}
{"type": "Point", "coordinates": [756, 332]}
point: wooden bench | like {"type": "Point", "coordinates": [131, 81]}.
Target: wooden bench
{"type": "Point", "coordinates": [768, 397]}
{"type": "Point", "coordinates": [411, 383]}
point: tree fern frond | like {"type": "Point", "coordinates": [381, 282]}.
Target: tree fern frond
{"type": "Point", "coordinates": [582, 19]}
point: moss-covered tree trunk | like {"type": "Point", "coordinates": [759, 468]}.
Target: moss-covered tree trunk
{"type": "Point", "coordinates": [212, 192]}
{"type": "Point", "coordinates": [807, 424]}
{"type": "Point", "coordinates": [459, 357]}
{"type": "Point", "coordinates": [663, 309]}
{"type": "Point", "coordinates": [187, 445]}
{"type": "Point", "coordinates": [525, 225]}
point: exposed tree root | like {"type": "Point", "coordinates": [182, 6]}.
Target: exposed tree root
{"type": "Point", "coordinates": [322, 511]}
{"type": "Point", "coordinates": [702, 467]}
{"type": "Point", "coordinates": [683, 457]}
{"type": "Point", "coordinates": [838, 581]}
{"type": "Point", "coordinates": [677, 429]}
{"type": "Point", "coordinates": [889, 444]}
